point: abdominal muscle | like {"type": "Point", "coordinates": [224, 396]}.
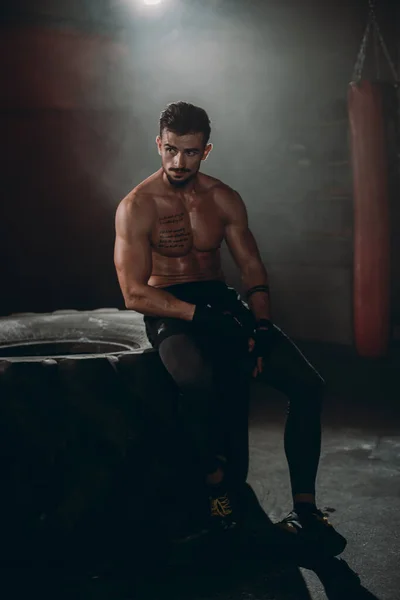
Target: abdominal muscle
{"type": "Point", "coordinates": [195, 266]}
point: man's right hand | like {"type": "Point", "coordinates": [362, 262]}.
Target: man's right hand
{"type": "Point", "coordinates": [218, 322]}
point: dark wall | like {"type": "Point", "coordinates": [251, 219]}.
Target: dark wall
{"type": "Point", "coordinates": [79, 116]}
{"type": "Point", "coordinates": [63, 167]}
{"type": "Point", "coordinates": [395, 203]}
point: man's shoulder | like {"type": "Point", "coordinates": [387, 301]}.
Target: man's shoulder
{"type": "Point", "coordinates": [137, 206]}
{"type": "Point", "coordinates": [225, 196]}
{"type": "Point", "coordinates": [141, 197]}
{"type": "Point", "coordinates": [209, 183]}
{"type": "Point", "coordinates": [229, 203]}
{"type": "Point", "coordinates": [135, 200]}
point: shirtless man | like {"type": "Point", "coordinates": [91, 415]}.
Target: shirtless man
{"type": "Point", "coordinates": [169, 230]}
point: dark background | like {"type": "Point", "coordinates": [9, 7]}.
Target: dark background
{"type": "Point", "coordinates": [82, 86]}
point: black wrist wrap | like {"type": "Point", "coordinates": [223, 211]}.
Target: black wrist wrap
{"type": "Point", "coordinates": [257, 288]}
{"type": "Point", "coordinates": [263, 323]}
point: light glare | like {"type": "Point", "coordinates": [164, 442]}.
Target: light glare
{"type": "Point", "coordinates": [148, 2]}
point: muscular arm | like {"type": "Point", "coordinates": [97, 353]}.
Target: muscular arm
{"type": "Point", "coordinates": [244, 250]}
{"type": "Point", "coordinates": [133, 261]}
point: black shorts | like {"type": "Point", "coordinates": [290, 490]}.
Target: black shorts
{"type": "Point", "coordinates": [215, 293]}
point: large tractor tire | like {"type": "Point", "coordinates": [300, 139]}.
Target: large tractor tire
{"type": "Point", "coordinates": [87, 422]}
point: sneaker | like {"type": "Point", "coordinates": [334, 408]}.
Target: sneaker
{"type": "Point", "coordinates": [223, 517]}
{"type": "Point", "coordinates": [314, 532]}
{"type": "Point", "coordinates": [219, 517]}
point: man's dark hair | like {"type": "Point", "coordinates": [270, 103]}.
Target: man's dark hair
{"type": "Point", "coordinates": [183, 118]}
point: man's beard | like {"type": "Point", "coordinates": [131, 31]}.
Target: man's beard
{"type": "Point", "coordinates": [177, 183]}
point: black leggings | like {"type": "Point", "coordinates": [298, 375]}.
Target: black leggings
{"type": "Point", "coordinates": [214, 377]}
{"type": "Point", "coordinates": [213, 411]}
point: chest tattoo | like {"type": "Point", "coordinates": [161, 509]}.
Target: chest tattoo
{"type": "Point", "coordinates": [173, 233]}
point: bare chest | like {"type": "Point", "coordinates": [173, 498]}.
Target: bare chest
{"type": "Point", "coordinates": [185, 227]}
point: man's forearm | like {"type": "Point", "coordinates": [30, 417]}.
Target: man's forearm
{"type": "Point", "coordinates": [154, 302]}
{"type": "Point", "coordinates": [260, 306]}
{"type": "Point", "coordinates": [258, 301]}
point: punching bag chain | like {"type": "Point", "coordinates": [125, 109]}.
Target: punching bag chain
{"type": "Point", "coordinates": [358, 67]}
{"type": "Point", "coordinates": [382, 42]}
{"type": "Point", "coordinates": [372, 24]}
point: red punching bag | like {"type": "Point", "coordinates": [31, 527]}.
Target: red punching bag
{"type": "Point", "coordinates": [371, 287]}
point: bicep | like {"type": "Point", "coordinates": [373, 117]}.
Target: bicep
{"type": "Point", "coordinates": [132, 252]}
{"type": "Point", "coordinates": [239, 238]}
{"type": "Point", "coordinates": [242, 245]}
{"type": "Point", "coordinates": [133, 261]}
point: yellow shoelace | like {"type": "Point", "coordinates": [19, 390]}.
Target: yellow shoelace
{"type": "Point", "coordinates": [220, 507]}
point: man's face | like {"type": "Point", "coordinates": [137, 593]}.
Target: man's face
{"type": "Point", "coordinates": [181, 156]}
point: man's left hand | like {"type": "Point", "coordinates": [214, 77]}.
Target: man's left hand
{"type": "Point", "coordinates": [260, 344]}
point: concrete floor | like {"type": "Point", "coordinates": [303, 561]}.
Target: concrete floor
{"type": "Point", "coordinates": [359, 475]}
{"type": "Point", "coordinates": [358, 483]}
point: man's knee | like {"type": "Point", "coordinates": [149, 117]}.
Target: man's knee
{"type": "Point", "coordinates": [312, 384]}
{"type": "Point", "coordinates": [306, 395]}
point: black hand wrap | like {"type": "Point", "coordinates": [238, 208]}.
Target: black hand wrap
{"type": "Point", "coordinates": [264, 335]}
{"type": "Point", "coordinates": [217, 321]}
